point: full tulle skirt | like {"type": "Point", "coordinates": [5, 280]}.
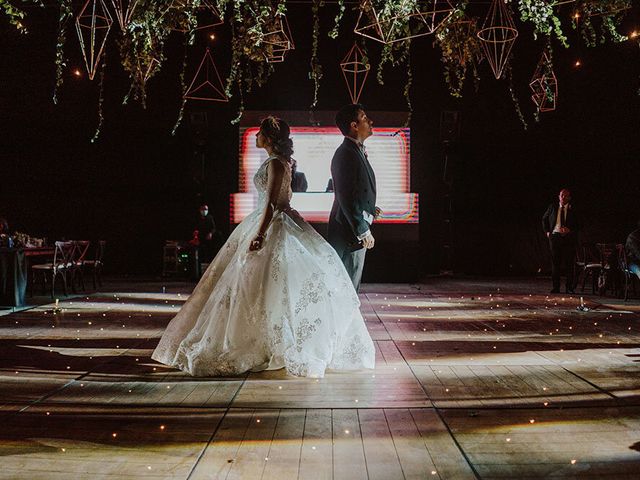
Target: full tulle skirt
{"type": "Point", "coordinates": [289, 305]}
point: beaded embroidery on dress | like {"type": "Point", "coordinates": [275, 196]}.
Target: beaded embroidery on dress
{"type": "Point", "coordinates": [290, 304]}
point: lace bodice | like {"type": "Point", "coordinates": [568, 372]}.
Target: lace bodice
{"type": "Point", "coordinates": [261, 182]}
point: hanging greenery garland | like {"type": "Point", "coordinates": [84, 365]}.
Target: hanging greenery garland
{"type": "Point", "coordinates": [610, 14]}
{"type": "Point", "coordinates": [142, 43]}
{"type": "Point", "coordinates": [183, 91]}
{"type": "Point", "coordinates": [14, 14]}
{"type": "Point", "coordinates": [257, 37]}
{"type": "Point", "coordinates": [316, 68]}
{"type": "Point", "coordinates": [460, 49]}
{"type": "Point", "coordinates": [333, 33]}
{"type": "Point", "coordinates": [257, 32]}
{"type": "Point", "coordinates": [514, 96]}
{"type": "Point", "coordinates": [545, 22]}
{"type": "Point", "coordinates": [409, 83]}
{"type": "Point", "coordinates": [66, 14]}
{"type": "Point", "coordinates": [100, 101]}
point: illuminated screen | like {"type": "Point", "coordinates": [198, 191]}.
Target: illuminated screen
{"type": "Point", "coordinates": [388, 153]}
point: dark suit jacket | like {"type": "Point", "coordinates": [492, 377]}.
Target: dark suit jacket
{"type": "Point", "coordinates": [572, 220]}
{"type": "Point", "coordinates": [354, 185]}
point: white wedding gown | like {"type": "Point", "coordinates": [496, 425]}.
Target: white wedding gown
{"type": "Point", "coordinates": [290, 304]}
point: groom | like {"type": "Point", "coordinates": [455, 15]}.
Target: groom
{"type": "Point", "coordinates": [354, 185]}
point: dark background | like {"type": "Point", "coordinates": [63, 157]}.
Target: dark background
{"type": "Point", "coordinates": [138, 185]}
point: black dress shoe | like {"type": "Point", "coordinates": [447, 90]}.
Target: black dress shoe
{"type": "Point", "coordinates": [554, 290]}
{"type": "Point", "coordinates": [571, 291]}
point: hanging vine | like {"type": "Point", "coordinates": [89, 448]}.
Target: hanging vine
{"type": "Point", "coordinates": [545, 22]}
{"type": "Point", "coordinates": [66, 13]}
{"type": "Point", "coordinates": [256, 29]}
{"type": "Point", "coordinates": [142, 44]}
{"type": "Point", "coordinates": [258, 37]}
{"type": "Point", "coordinates": [610, 14]}
{"type": "Point", "coordinates": [316, 68]}
{"type": "Point", "coordinates": [407, 86]}
{"type": "Point", "coordinates": [514, 96]}
{"type": "Point", "coordinates": [183, 91]}
{"type": "Point", "coordinates": [460, 49]}
{"type": "Point", "coordinates": [100, 101]}
{"type": "Point", "coordinates": [14, 14]}
{"type": "Point", "coordinates": [333, 33]}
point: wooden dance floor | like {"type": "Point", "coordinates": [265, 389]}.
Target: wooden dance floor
{"type": "Point", "coordinates": [473, 379]}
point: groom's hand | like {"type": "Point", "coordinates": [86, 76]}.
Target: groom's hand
{"type": "Point", "coordinates": [368, 242]}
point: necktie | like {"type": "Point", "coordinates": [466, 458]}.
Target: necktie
{"type": "Point", "coordinates": [363, 150]}
{"type": "Point", "coordinates": [562, 215]}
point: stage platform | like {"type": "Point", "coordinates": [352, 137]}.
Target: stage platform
{"type": "Point", "coordinates": [474, 379]}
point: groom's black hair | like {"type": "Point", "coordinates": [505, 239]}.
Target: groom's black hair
{"type": "Point", "coordinates": [346, 115]}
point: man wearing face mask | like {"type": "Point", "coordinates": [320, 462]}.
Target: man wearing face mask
{"type": "Point", "coordinates": [206, 228]}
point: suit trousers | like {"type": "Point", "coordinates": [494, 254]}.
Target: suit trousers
{"type": "Point", "coordinates": [354, 263]}
{"type": "Point", "coordinates": [563, 255]}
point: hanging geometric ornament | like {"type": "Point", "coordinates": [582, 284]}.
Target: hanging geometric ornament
{"type": "Point", "coordinates": [544, 85]}
{"type": "Point", "coordinates": [355, 72]}
{"type": "Point", "coordinates": [278, 41]}
{"type": "Point", "coordinates": [208, 15]}
{"type": "Point", "coordinates": [124, 11]}
{"type": "Point", "coordinates": [206, 84]}
{"type": "Point", "coordinates": [498, 35]}
{"type": "Point", "coordinates": [93, 24]}
{"type": "Point", "coordinates": [389, 28]}
{"type": "Point", "coordinates": [434, 13]}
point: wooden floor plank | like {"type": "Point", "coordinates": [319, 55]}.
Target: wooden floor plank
{"type": "Point", "coordinates": [349, 462]}
{"type": "Point", "coordinates": [284, 453]}
{"type": "Point", "coordinates": [316, 455]}
{"type": "Point", "coordinates": [380, 452]}
{"type": "Point", "coordinates": [221, 453]}
{"type": "Point", "coordinates": [415, 459]}
{"type": "Point", "coordinates": [253, 452]}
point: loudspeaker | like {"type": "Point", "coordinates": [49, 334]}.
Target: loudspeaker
{"type": "Point", "coordinates": [450, 121]}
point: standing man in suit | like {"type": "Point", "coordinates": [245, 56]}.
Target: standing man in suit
{"type": "Point", "coordinates": [561, 225]}
{"type": "Point", "coordinates": [354, 185]}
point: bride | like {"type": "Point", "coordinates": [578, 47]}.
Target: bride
{"type": "Point", "coordinates": [276, 295]}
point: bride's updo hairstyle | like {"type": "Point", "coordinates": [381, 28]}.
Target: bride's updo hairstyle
{"type": "Point", "coordinates": [278, 131]}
